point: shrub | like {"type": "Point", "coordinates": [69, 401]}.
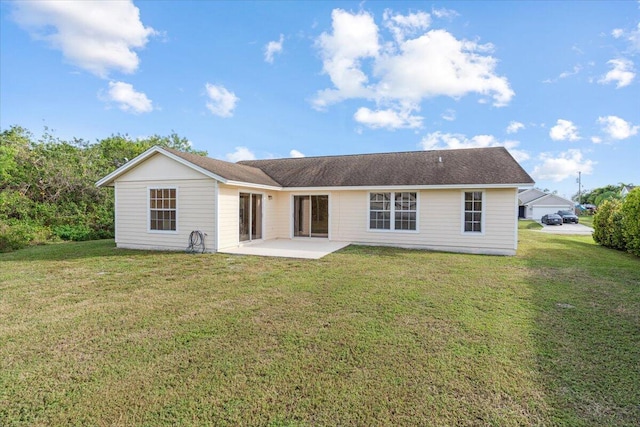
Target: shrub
{"type": "Point", "coordinates": [18, 234]}
{"type": "Point", "coordinates": [631, 221]}
{"type": "Point", "coordinates": [76, 232]}
{"type": "Point", "coordinates": [602, 223]}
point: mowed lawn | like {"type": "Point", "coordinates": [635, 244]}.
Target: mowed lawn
{"type": "Point", "coordinates": [92, 335]}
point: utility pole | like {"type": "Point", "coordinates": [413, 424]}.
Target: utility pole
{"type": "Point", "coordinates": [579, 187]}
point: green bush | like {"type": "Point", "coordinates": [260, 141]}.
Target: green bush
{"type": "Point", "coordinates": [77, 232]}
{"type": "Point", "coordinates": [19, 234]}
{"type": "Point", "coordinates": [631, 221]}
{"type": "Point", "coordinates": [602, 222]}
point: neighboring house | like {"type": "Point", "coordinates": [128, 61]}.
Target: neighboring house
{"type": "Point", "coordinates": [450, 200]}
{"type": "Point", "coordinates": [534, 204]}
{"type": "Point", "coordinates": [626, 189]}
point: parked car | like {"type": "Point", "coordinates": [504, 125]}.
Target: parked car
{"type": "Point", "coordinates": [568, 216]}
{"type": "Point", "coordinates": [552, 219]}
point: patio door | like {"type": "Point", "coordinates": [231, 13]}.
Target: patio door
{"type": "Point", "coordinates": [311, 216]}
{"type": "Point", "coordinates": [250, 216]}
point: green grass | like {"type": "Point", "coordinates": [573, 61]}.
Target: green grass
{"type": "Point", "coordinates": [586, 220]}
{"type": "Point", "coordinates": [91, 335]}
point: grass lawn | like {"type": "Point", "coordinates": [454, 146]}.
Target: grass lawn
{"type": "Point", "coordinates": [586, 220]}
{"type": "Point", "coordinates": [91, 335]}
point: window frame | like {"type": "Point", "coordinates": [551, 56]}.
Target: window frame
{"type": "Point", "coordinates": [464, 211]}
{"type": "Point", "coordinates": [161, 187]}
{"type": "Point", "coordinates": [392, 212]}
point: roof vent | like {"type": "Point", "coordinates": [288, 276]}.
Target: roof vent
{"type": "Point", "coordinates": [439, 159]}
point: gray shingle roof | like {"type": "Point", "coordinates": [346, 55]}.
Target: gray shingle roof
{"type": "Point", "coordinates": [473, 166]}
{"type": "Point", "coordinates": [227, 170]}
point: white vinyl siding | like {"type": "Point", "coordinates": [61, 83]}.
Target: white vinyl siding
{"type": "Point", "coordinates": [229, 214]}
{"type": "Point", "coordinates": [440, 214]}
{"type": "Point", "coordinates": [195, 203]}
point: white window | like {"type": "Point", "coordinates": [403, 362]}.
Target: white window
{"type": "Point", "coordinates": [162, 209]}
{"type": "Point", "coordinates": [473, 212]}
{"type": "Point", "coordinates": [393, 211]}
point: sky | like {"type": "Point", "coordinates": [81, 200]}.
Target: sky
{"type": "Point", "coordinates": [556, 83]}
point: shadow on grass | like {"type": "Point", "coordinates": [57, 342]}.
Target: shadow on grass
{"type": "Point", "coordinates": [72, 250]}
{"type": "Point", "coordinates": [587, 300]}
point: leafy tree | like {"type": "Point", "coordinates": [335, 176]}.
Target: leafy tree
{"type": "Point", "coordinates": [599, 195]}
{"type": "Point", "coordinates": [47, 186]}
{"type": "Point", "coordinates": [631, 220]}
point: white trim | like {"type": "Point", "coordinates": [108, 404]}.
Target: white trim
{"type": "Point", "coordinates": [115, 213]}
{"type": "Point", "coordinates": [516, 219]}
{"type": "Point", "coordinates": [107, 180]}
{"type": "Point", "coordinates": [392, 224]}
{"type": "Point", "coordinates": [216, 214]}
{"type": "Point", "coordinates": [482, 213]}
{"type": "Point", "coordinates": [250, 185]}
{"type": "Point", "coordinates": [387, 188]}
{"type": "Point", "coordinates": [161, 187]}
{"type": "Point", "coordinates": [150, 152]}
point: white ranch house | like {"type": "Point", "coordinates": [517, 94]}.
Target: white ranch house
{"type": "Point", "coordinates": [447, 200]}
{"type": "Point", "coordinates": [534, 204]}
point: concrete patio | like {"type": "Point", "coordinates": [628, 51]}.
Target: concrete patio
{"type": "Point", "coordinates": [306, 248]}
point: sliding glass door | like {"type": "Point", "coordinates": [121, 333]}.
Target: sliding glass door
{"type": "Point", "coordinates": [250, 216]}
{"type": "Point", "coordinates": [311, 216]}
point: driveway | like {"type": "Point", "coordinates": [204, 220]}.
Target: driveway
{"type": "Point", "coordinates": [567, 229]}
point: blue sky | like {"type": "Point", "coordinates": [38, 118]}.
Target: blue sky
{"type": "Point", "coordinates": [554, 82]}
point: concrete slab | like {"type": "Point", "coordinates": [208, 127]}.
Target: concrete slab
{"type": "Point", "coordinates": [579, 229]}
{"type": "Point", "coordinates": [306, 248]}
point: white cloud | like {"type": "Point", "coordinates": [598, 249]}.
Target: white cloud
{"type": "Point", "coordinates": [444, 13]}
{"type": "Point", "coordinates": [388, 119]}
{"type": "Point", "coordinates": [566, 164]}
{"type": "Point", "coordinates": [622, 73]}
{"type": "Point", "coordinates": [272, 48]}
{"type": "Point", "coordinates": [564, 130]}
{"type": "Point", "coordinates": [438, 64]}
{"type": "Point", "coordinates": [398, 74]}
{"type": "Point", "coordinates": [439, 140]}
{"type": "Point", "coordinates": [402, 26]}
{"type": "Point", "coordinates": [631, 36]}
{"type": "Point", "coordinates": [617, 128]}
{"type": "Point", "coordinates": [295, 153]}
{"type": "Point", "coordinates": [221, 101]}
{"type": "Point", "coordinates": [449, 115]}
{"type": "Point", "coordinates": [98, 36]}
{"type": "Point", "coordinates": [576, 69]}
{"type": "Point", "coordinates": [634, 38]}
{"type": "Point", "coordinates": [241, 153]}
{"type": "Point", "coordinates": [514, 127]}
{"type": "Point", "coordinates": [354, 38]}
{"type": "Point", "coordinates": [127, 98]}
{"type": "Point", "coordinates": [596, 139]}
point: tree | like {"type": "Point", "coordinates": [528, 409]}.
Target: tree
{"type": "Point", "coordinates": [599, 195]}
{"type": "Point", "coordinates": [47, 186]}
{"type": "Point", "coordinates": [631, 220]}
